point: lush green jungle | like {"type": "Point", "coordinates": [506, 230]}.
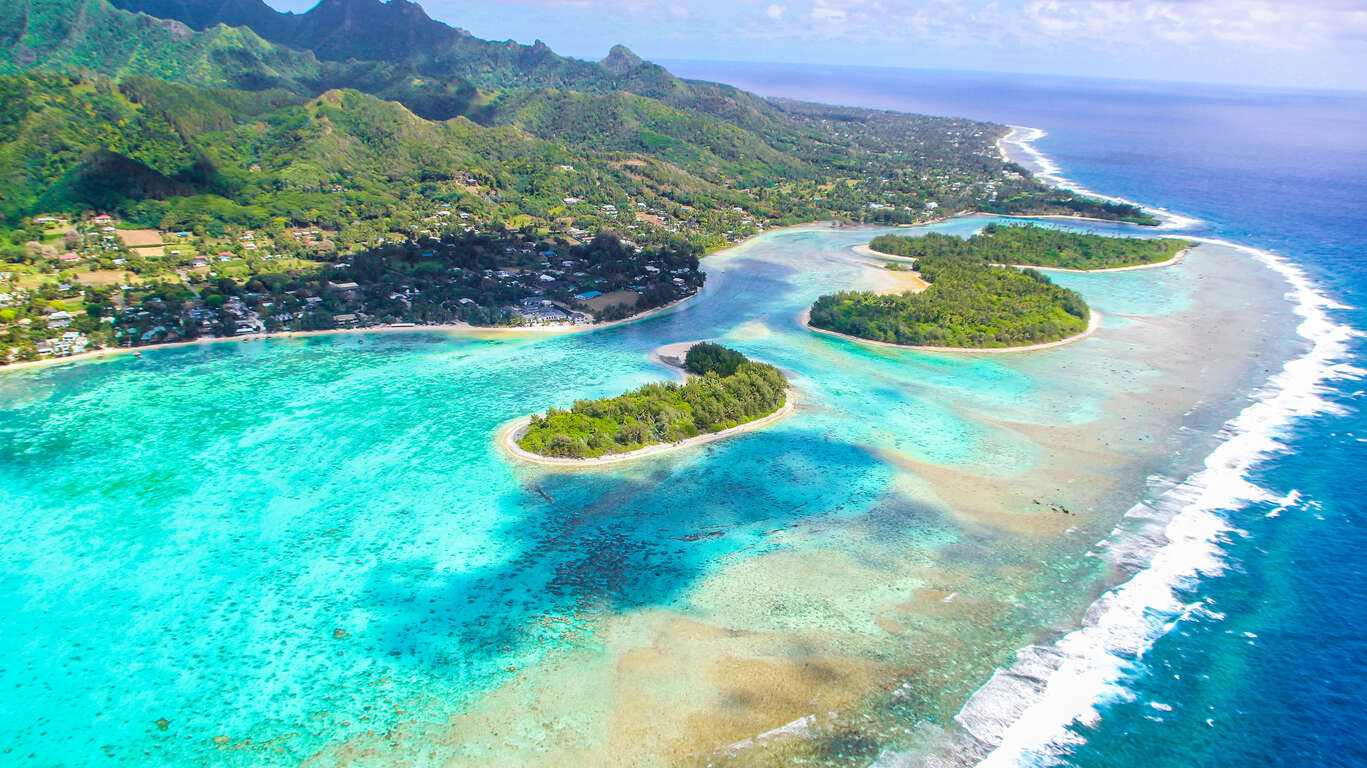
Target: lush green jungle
{"type": "Point", "coordinates": [152, 148]}
{"type": "Point", "coordinates": [970, 302]}
{"type": "Point", "coordinates": [1028, 245]}
{"type": "Point", "coordinates": [706, 357]}
{"type": "Point", "coordinates": [729, 390]}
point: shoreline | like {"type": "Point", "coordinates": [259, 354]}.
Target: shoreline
{"type": "Point", "coordinates": [889, 276]}
{"type": "Point", "coordinates": [671, 356]}
{"type": "Point", "coordinates": [457, 329]}
{"type": "Point", "coordinates": [1047, 171]}
{"type": "Point", "coordinates": [1093, 324]}
{"type": "Point", "coordinates": [452, 328]}
{"type": "Point", "coordinates": [509, 433]}
{"type": "Point", "coordinates": [1182, 254]}
{"type": "Point", "coordinates": [558, 330]}
{"type": "Point", "coordinates": [864, 250]}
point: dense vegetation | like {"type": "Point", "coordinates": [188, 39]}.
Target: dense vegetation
{"type": "Point", "coordinates": [705, 357]}
{"type": "Point", "coordinates": [969, 303]}
{"type": "Point", "coordinates": [662, 412]}
{"type": "Point", "coordinates": [1027, 245]}
{"type": "Point", "coordinates": [283, 152]}
{"type": "Point", "coordinates": [701, 148]}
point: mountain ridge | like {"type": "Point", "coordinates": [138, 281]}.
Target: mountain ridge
{"type": "Point", "coordinates": [695, 144]}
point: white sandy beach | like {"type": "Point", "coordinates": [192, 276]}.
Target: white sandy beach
{"type": "Point", "coordinates": [672, 355]}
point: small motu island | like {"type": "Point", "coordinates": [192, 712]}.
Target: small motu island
{"type": "Point", "coordinates": [725, 393]}
{"type": "Point", "coordinates": [1026, 245]}
{"type": "Point", "coordinates": [976, 297]}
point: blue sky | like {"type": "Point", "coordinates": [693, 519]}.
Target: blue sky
{"type": "Point", "coordinates": [1309, 43]}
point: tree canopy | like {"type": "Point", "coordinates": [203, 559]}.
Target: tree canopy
{"type": "Point", "coordinates": [970, 303]}
{"type": "Point", "coordinates": [1033, 246]}
{"type": "Point", "coordinates": [662, 412]}
{"type": "Point", "coordinates": [705, 357]}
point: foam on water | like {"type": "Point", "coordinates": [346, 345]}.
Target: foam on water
{"type": "Point", "coordinates": [1024, 715]}
{"type": "Point", "coordinates": [1023, 138]}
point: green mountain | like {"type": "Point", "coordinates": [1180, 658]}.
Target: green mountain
{"type": "Point", "coordinates": [362, 164]}
{"type": "Point", "coordinates": [335, 30]}
{"type": "Point", "coordinates": [284, 118]}
{"type": "Point", "coordinates": [400, 33]}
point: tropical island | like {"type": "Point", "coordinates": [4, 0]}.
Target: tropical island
{"type": "Point", "coordinates": [968, 303]}
{"type": "Point", "coordinates": [972, 295]}
{"type": "Point", "coordinates": [175, 171]}
{"type": "Point", "coordinates": [725, 393]}
{"type": "Point", "coordinates": [1027, 245]}
{"type": "Point", "coordinates": [983, 292]}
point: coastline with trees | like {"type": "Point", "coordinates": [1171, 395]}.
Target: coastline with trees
{"type": "Point", "coordinates": [1028, 245]}
{"type": "Point", "coordinates": [726, 393]}
{"type": "Point", "coordinates": [969, 303]}
{"type": "Point", "coordinates": [985, 292]}
{"type": "Point", "coordinates": [1093, 324]}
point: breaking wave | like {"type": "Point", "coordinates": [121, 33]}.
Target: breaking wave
{"type": "Point", "coordinates": [1026, 713]}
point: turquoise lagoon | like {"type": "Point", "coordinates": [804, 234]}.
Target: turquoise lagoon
{"type": "Point", "coordinates": [311, 551]}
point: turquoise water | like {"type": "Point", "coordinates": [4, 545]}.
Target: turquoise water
{"type": "Point", "coordinates": [295, 549]}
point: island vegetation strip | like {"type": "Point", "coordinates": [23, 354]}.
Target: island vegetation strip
{"type": "Point", "coordinates": [865, 250]}
{"type": "Point", "coordinates": [1093, 323]}
{"type": "Point", "coordinates": [511, 432]}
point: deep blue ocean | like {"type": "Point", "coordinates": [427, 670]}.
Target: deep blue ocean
{"type": "Point", "coordinates": [1270, 665]}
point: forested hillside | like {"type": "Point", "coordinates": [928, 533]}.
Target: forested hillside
{"type": "Point", "coordinates": [145, 159]}
{"type": "Point", "coordinates": [795, 161]}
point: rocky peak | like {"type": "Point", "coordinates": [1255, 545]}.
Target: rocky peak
{"type": "Point", "coordinates": [621, 60]}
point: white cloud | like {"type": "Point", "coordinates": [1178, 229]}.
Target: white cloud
{"type": "Point", "coordinates": [1146, 27]}
{"type": "Point", "coordinates": [1262, 41]}
{"type": "Point", "coordinates": [823, 12]}
{"type": "Point", "coordinates": [1267, 24]}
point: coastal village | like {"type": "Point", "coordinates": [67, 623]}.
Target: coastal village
{"type": "Point", "coordinates": [71, 283]}
{"type": "Point", "coordinates": [93, 282]}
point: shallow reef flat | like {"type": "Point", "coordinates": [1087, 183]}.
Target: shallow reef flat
{"type": "Point", "coordinates": [319, 556]}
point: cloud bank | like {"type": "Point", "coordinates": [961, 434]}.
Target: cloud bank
{"type": "Point", "coordinates": [1307, 42]}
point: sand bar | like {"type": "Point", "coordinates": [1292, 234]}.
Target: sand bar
{"type": "Point", "coordinates": [672, 355]}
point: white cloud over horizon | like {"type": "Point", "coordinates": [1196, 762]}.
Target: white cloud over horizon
{"type": "Point", "coordinates": [1314, 43]}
